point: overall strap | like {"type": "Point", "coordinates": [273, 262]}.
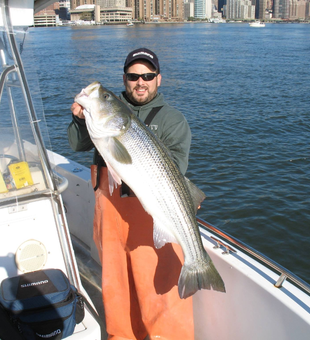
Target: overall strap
{"type": "Point", "coordinates": [151, 115]}
{"type": "Point", "coordinates": [97, 177]}
{"type": "Point", "coordinates": [99, 161]}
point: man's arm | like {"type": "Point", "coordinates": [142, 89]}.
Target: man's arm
{"type": "Point", "coordinates": [78, 135]}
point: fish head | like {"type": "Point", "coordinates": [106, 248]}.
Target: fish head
{"type": "Point", "coordinates": [106, 115]}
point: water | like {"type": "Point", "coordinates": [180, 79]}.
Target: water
{"type": "Point", "coordinates": [245, 94]}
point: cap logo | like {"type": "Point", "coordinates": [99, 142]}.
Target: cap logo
{"type": "Point", "coordinates": [147, 54]}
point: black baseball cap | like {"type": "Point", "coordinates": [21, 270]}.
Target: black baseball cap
{"type": "Point", "coordinates": [144, 54]}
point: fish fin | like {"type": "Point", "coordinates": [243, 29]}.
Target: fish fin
{"type": "Point", "coordinates": [114, 179]}
{"type": "Point", "coordinates": [197, 195]}
{"type": "Point", "coordinates": [201, 275]}
{"type": "Point", "coordinates": [162, 236]}
{"type": "Point", "coordinates": [118, 151]}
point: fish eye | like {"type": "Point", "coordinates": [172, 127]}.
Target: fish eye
{"type": "Point", "coordinates": [106, 96]}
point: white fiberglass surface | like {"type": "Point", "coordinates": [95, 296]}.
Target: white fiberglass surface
{"type": "Point", "coordinates": [27, 226]}
{"type": "Point", "coordinates": [252, 307]}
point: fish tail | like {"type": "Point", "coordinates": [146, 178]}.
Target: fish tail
{"type": "Point", "coordinates": [199, 275]}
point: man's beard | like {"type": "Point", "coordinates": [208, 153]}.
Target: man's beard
{"type": "Point", "coordinates": [136, 100]}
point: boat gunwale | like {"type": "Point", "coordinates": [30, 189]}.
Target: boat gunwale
{"type": "Point", "coordinates": [284, 274]}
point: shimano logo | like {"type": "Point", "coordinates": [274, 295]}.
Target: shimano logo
{"type": "Point", "coordinates": [145, 53]}
{"type": "Point", "coordinates": [31, 284]}
{"type": "Point", "coordinates": [46, 336]}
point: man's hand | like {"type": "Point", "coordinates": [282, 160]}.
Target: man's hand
{"type": "Point", "coordinates": [77, 110]}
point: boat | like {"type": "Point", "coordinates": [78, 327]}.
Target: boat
{"type": "Point", "coordinates": [47, 221]}
{"type": "Point", "coordinates": [130, 24]}
{"type": "Point", "coordinates": [217, 20]}
{"type": "Point", "coordinates": [257, 24]}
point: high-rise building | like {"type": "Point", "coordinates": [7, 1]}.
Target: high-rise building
{"type": "Point", "coordinates": [206, 9]}
{"type": "Point", "coordinates": [189, 7]}
{"type": "Point", "coordinates": [298, 9]}
{"type": "Point", "coordinates": [260, 9]}
{"type": "Point", "coordinates": [149, 10]}
{"type": "Point", "coordinates": [291, 9]}
{"type": "Point", "coordinates": [284, 9]}
{"type": "Point", "coordinates": [209, 9]}
{"type": "Point", "coordinates": [200, 9]}
{"type": "Point", "coordinates": [240, 9]}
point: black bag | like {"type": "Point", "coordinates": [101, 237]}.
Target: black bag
{"type": "Point", "coordinates": [7, 330]}
{"type": "Point", "coordinates": [42, 304]}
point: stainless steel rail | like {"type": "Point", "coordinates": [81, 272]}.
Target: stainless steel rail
{"type": "Point", "coordinates": [28, 99]}
{"type": "Point", "coordinates": [283, 272]}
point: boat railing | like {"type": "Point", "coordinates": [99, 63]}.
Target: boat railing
{"type": "Point", "coordinates": [284, 274]}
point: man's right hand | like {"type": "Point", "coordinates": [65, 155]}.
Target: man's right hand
{"type": "Point", "coordinates": [77, 110]}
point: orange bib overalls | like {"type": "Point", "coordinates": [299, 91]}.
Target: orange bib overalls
{"type": "Point", "coordinates": [139, 282]}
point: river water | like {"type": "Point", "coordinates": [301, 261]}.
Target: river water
{"type": "Point", "coordinates": [245, 93]}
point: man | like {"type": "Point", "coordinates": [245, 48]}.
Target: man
{"type": "Point", "coordinates": [139, 282]}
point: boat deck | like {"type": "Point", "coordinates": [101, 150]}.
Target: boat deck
{"type": "Point", "coordinates": [90, 273]}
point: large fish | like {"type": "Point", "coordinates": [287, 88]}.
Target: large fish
{"type": "Point", "coordinates": [133, 154]}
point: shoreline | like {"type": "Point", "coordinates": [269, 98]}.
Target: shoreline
{"type": "Point", "coordinates": [175, 23]}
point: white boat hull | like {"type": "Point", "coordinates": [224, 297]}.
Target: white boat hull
{"type": "Point", "coordinates": [257, 24]}
{"type": "Point", "coordinates": [252, 308]}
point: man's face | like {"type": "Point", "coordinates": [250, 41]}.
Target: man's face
{"type": "Point", "coordinates": [140, 92]}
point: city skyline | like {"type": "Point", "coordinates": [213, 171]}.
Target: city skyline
{"type": "Point", "coordinates": [179, 10]}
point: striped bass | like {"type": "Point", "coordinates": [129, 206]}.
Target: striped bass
{"type": "Point", "coordinates": [134, 155]}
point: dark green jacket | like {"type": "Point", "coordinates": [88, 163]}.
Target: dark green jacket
{"type": "Point", "coordinates": [168, 124]}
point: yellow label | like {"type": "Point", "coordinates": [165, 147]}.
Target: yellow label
{"type": "Point", "coordinates": [21, 174]}
{"type": "Point", "coordinates": [3, 187]}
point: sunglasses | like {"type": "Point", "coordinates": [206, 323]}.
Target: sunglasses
{"type": "Point", "coordinates": [144, 76]}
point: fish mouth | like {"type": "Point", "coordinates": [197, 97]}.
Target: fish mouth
{"type": "Point", "coordinates": [86, 92]}
{"type": "Point", "coordinates": [83, 93]}
{"type": "Point", "coordinates": [80, 95]}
